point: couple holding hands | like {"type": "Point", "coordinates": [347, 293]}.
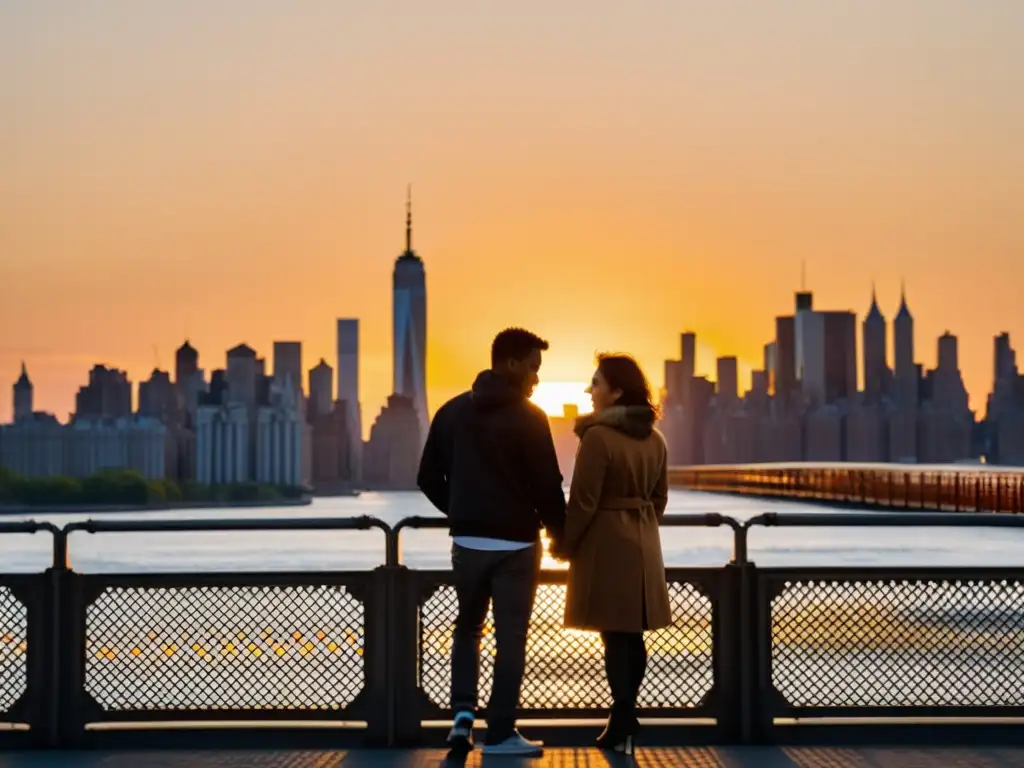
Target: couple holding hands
{"type": "Point", "coordinates": [489, 465]}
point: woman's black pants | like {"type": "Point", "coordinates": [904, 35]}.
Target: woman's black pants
{"type": "Point", "coordinates": [625, 663]}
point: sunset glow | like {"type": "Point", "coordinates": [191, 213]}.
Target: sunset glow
{"type": "Point", "coordinates": [608, 185]}
{"type": "Point", "coordinates": [553, 396]}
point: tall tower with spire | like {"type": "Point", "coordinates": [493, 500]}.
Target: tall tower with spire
{"type": "Point", "coordinates": [23, 394]}
{"type": "Point", "coordinates": [903, 332]}
{"type": "Point", "coordinates": [876, 367]}
{"type": "Point", "coordinates": [409, 299]}
{"type": "Point", "coordinates": [903, 425]}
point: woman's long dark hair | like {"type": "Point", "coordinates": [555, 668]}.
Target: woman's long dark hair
{"type": "Point", "coordinates": [624, 374]}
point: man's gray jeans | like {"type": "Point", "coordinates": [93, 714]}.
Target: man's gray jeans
{"type": "Point", "coordinates": [509, 578]}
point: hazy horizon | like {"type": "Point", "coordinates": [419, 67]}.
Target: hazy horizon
{"type": "Point", "coordinates": [608, 176]}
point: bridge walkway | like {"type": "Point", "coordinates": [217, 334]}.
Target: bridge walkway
{"type": "Point", "coordinates": [655, 757]}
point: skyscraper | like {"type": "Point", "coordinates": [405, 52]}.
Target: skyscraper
{"type": "Point", "coordinates": [826, 352]}
{"type": "Point", "coordinates": [906, 369]}
{"type": "Point", "coordinates": [23, 396]}
{"type": "Point", "coordinates": [1005, 358]}
{"type": "Point", "coordinates": [903, 422]}
{"type": "Point", "coordinates": [410, 326]}
{"type": "Point", "coordinates": [186, 363]}
{"type": "Point", "coordinates": [348, 362]}
{"type": "Point", "coordinates": [108, 395]}
{"type": "Point", "coordinates": [785, 359]}
{"type": "Point", "coordinates": [876, 369]}
{"type": "Point", "coordinates": [321, 390]}
{"type": "Point", "coordinates": [241, 375]}
{"type": "Point", "coordinates": [728, 381]}
{"type": "Point", "coordinates": [348, 392]}
{"type": "Point", "coordinates": [288, 365]}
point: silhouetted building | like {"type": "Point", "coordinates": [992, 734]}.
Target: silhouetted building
{"type": "Point", "coordinates": [34, 446]}
{"type": "Point", "coordinates": [876, 366]}
{"type": "Point", "coordinates": [785, 360]}
{"type": "Point", "coordinates": [410, 328]}
{"type": "Point", "coordinates": [771, 365]}
{"type": "Point", "coordinates": [391, 456]}
{"type": "Point", "coordinates": [758, 395]}
{"type": "Point", "coordinates": [1004, 417]}
{"type": "Point", "coordinates": [160, 399]}
{"type": "Point", "coordinates": [243, 371]}
{"type": "Point", "coordinates": [186, 363]}
{"type": "Point", "coordinates": [133, 443]}
{"type": "Point", "coordinates": [321, 391]}
{"type": "Point", "coordinates": [1005, 358]}
{"type": "Point", "coordinates": [867, 437]}
{"type": "Point", "coordinates": [288, 364]}
{"type": "Point", "coordinates": [903, 423]}
{"type": "Point", "coordinates": [283, 443]}
{"type": "Point", "coordinates": [824, 434]}
{"type": "Point", "coordinates": [222, 444]}
{"type": "Point", "coordinates": [695, 418]}
{"type": "Point", "coordinates": [687, 364]}
{"type": "Point", "coordinates": [348, 390]}
{"type": "Point", "coordinates": [23, 396]}
{"type": "Point", "coordinates": [826, 352]}
{"type": "Point", "coordinates": [108, 395]}
{"type": "Point", "coordinates": [333, 466]}
{"type": "Point", "coordinates": [728, 382]}
{"type": "Point", "coordinates": [217, 394]}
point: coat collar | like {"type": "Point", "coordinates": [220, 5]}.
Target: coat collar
{"type": "Point", "coordinates": [633, 420]}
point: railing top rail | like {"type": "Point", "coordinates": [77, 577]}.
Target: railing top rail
{"type": "Point", "coordinates": [886, 520]}
{"type": "Point", "coordinates": [696, 520]}
{"type": "Point", "coordinates": [28, 526]}
{"type": "Point", "coordinates": [707, 520]}
{"type": "Point", "coordinates": [700, 520]}
{"type": "Point", "coordinates": [362, 523]}
{"type": "Point", "coordinates": [420, 521]}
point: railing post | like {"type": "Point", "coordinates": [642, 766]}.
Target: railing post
{"type": "Point", "coordinates": [728, 638]}
{"type": "Point", "coordinates": [378, 671]}
{"type": "Point", "coordinates": [743, 710]}
{"type": "Point", "coordinates": [404, 646]}
{"type": "Point", "coordinates": [65, 642]}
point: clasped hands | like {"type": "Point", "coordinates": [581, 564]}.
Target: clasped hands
{"type": "Point", "coordinates": [557, 548]}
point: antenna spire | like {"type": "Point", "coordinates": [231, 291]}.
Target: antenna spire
{"type": "Point", "coordinates": [803, 275]}
{"type": "Point", "coordinates": [408, 218]}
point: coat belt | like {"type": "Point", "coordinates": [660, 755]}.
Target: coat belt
{"type": "Point", "coordinates": [626, 504]}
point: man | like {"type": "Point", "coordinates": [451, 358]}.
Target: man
{"type": "Point", "coordinates": [489, 464]}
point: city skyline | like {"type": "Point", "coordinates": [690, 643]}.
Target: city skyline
{"type": "Point", "coordinates": [154, 193]}
{"type": "Point", "coordinates": [555, 395]}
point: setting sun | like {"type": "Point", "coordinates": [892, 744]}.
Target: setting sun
{"type": "Point", "coordinates": [553, 396]}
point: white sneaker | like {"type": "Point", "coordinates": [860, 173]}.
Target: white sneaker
{"type": "Point", "coordinates": [515, 745]}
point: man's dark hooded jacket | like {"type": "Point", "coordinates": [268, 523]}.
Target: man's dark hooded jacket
{"type": "Point", "coordinates": [489, 464]}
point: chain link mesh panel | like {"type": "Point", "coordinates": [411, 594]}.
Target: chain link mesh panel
{"type": "Point", "coordinates": [565, 668]}
{"type": "Point", "coordinates": [235, 648]}
{"type": "Point", "coordinates": [899, 643]}
{"type": "Point", "coordinates": [13, 649]}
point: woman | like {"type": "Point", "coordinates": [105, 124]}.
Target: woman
{"type": "Point", "coordinates": [619, 491]}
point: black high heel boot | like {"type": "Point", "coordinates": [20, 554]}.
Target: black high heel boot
{"type": "Point", "coordinates": [613, 730]}
{"type": "Point", "coordinates": [620, 733]}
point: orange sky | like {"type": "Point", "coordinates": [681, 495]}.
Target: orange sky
{"type": "Point", "coordinates": [606, 174]}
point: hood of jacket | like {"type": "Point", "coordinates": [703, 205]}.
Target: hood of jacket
{"type": "Point", "coordinates": [634, 420]}
{"type": "Point", "coordinates": [491, 391]}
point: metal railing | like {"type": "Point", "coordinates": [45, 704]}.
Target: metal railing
{"type": "Point", "coordinates": [363, 656]}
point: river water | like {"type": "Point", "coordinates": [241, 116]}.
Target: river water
{"type": "Point", "coordinates": [358, 550]}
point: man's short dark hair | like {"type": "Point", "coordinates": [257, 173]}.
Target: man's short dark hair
{"type": "Point", "coordinates": [515, 344]}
